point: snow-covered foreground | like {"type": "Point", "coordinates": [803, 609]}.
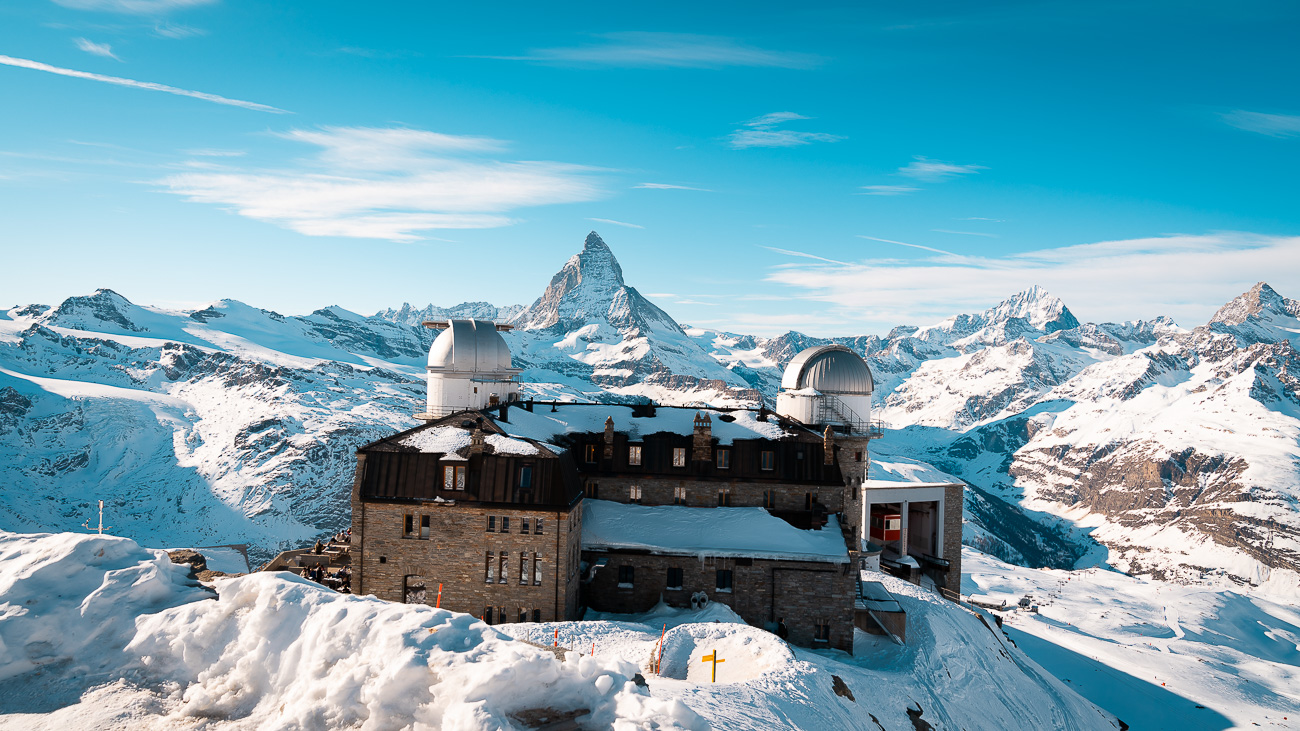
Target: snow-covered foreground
{"type": "Point", "coordinates": [1159, 655]}
{"type": "Point", "coordinates": [96, 632]}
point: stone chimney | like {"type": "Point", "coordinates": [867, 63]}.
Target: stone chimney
{"type": "Point", "coordinates": [478, 443]}
{"type": "Point", "coordinates": [702, 443]}
{"type": "Point", "coordinates": [828, 445]}
{"type": "Point", "coordinates": [609, 437]}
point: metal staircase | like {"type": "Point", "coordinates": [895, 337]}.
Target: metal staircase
{"type": "Point", "coordinates": [831, 410]}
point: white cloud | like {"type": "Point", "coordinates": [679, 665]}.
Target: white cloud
{"type": "Point", "coordinates": [887, 189]}
{"type": "Point", "coordinates": [176, 31]}
{"type": "Point", "coordinates": [149, 85]}
{"type": "Point", "coordinates": [98, 49]}
{"type": "Point", "coordinates": [964, 233]}
{"type": "Point", "coordinates": [667, 186]}
{"type": "Point", "coordinates": [762, 132]}
{"type": "Point", "coordinates": [389, 183]}
{"type": "Point", "coordinates": [615, 223]}
{"type": "Point", "coordinates": [1273, 125]}
{"type": "Point", "coordinates": [933, 171]}
{"type": "Point", "coordinates": [667, 50]}
{"type": "Point", "coordinates": [134, 7]}
{"type": "Point", "coordinates": [1184, 276]}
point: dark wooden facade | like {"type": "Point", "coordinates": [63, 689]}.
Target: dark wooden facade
{"type": "Point", "coordinates": [794, 461]}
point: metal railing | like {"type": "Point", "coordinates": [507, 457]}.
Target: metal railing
{"type": "Point", "coordinates": [832, 409]}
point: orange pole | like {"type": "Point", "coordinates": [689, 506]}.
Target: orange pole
{"type": "Point", "coordinates": [659, 666]}
{"type": "Point", "coordinates": [593, 649]}
{"type": "Point", "coordinates": [439, 604]}
{"type": "Point", "coordinates": [557, 637]}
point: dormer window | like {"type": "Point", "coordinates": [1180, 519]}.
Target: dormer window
{"type": "Point", "coordinates": [767, 460]}
{"type": "Point", "coordinates": [724, 459]}
{"type": "Point", "coordinates": [679, 456]}
{"type": "Point", "coordinates": [526, 476]}
{"type": "Point", "coordinates": [453, 477]}
{"type": "Point", "coordinates": [591, 454]}
{"type": "Point", "coordinates": [634, 455]}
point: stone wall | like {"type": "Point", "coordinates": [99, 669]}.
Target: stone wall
{"type": "Point", "coordinates": [855, 459]}
{"type": "Point", "coordinates": [953, 502]}
{"type": "Point", "coordinates": [803, 593]}
{"type": "Point", "coordinates": [455, 555]}
{"type": "Point", "coordinates": [704, 493]}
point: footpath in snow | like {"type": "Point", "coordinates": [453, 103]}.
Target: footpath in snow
{"type": "Point", "coordinates": [96, 632]}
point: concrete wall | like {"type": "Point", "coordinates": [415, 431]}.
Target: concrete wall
{"type": "Point", "coordinates": [803, 593]}
{"type": "Point", "coordinates": [451, 392]}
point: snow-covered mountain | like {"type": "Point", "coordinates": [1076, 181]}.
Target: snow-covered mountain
{"type": "Point", "coordinates": [408, 315]}
{"type": "Point", "coordinates": [1173, 452]}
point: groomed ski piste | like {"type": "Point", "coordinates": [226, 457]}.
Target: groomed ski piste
{"type": "Point", "coordinates": [99, 633]}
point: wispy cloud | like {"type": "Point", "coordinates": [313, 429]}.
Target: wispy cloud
{"type": "Point", "coordinates": [933, 171]}
{"type": "Point", "coordinates": [615, 223]}
{"type": "Point", "coordinates": [390, 183]}
{"type": "Point", "coordinates": [980, 218]}
{"type": "Point", "coordinates": [149, 85]}
{"type": "Point", "coordinates": [176, 31]}
{"type": "Point", "coordinates": [1184, 276]}
{"type": "Point", "coordinates": [1273, 125]}
{"type": "Point", "coordinates": [964, 233]}
{"type": "Point", "coordinates": [762, 132]}
{"type": "Point", "coordinates": [133, 7]}
{"type": "Point", "coordinates": [667, 186]}
{"type": "Point", "coordinates": [98, 49]}
{"type": "Point", "coordinates": [903, 243]}
{"type": "Point", "coordinates": [887, 189]}
{"type": "Point", "coordinates": [667, 50]}
{"type": "Point", "coordinates": [803, 255]}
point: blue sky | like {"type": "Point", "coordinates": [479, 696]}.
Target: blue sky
{"type": "Point", "coordinates": [833, 168]}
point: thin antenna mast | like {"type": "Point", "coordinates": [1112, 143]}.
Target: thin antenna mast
{"type": "Point", "coordinates": [101, 527]}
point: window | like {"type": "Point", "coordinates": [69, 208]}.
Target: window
{"type": "Point", "coordinates": [408, 526]}
{"type": "Point", "coordinates": [537, 570]}
{"type": "Point", "coordinates": [523, 569]}
{"type": "Point", "coordinates": [591, 454]}
{"type": "Point", "coordinates": [537, 615]}
{"type": "Point", "coordinates": [724, 459]}
{"type": "Point", "coordinates": [822, 632]}
{"type": "Point", "coordinates": [724, 496]}
{"type": "Point", "coordinates": [453, 477]}
{"type": "Point", "coordinates": [769, 499]}
{"type": "Point", "coordinates": [537, 527]}
{"type": "Point", "coordinates": [808, 500]}
{"type": "Point", "coordinates": [415, 592]}
{"type": "Point", "coordinates": [487, 614]}
{"type": "Point", "coordinates": [523, 614]}
{"type": "Point", "coordinates": [679, 496]}
{"type": "Point", "coordinates": [489, 568]}
{"type": "Point", "coordinates": [592, 490]}
{"type": "Point", "coordinates": [502, 564]}
{"type": "Point", "coordinates": [526, 477]}
{"type": "Point", "coordinates": [679, 456]}
{"type": "Point", "coordinates": [501, 614]}
{"type": "Point", "coordinates": [674, 579]}
{"type": "Point", "coordinates": [857, 456]}
{"type": "Point", "coordinates": [523, 525]}
{"type": "Point", "coordinates": [424, 527]}
{"type": "Point", "coordinates": [505, 524]}
{"type": "Point", "coordinates": [724, 580]}
{"type": "Point", "coordinates": [626, 576]}
{"type": "Point", "coordinates": [767, 460]}
{"type": "Point", "coordinates": [634, 455]}
{"type": "Point", "coordinates": [492, 524]}
{"type": "Point", "coordinates": [634, 494]}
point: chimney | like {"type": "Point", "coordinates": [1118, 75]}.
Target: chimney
{"type": "Point", "coordinates": [504, 412]}
{"type": "Point", "coordinates": [828, 445]}
{"type": "Point", "coordinates": [702, 442]}
{"type": "Point", "coordinates": [609, 437]}
{"type": "Point", "coordinates": [478, 443]}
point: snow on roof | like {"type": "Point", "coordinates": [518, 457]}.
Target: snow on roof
{"type": "Point", "coordinates": [506, 445]}
{"type": "Point", "coordinates": [543, 424]}
{"type": "Point", "coordinates": [887, 470]}
{"type": "Point", "coordinates": [437, 439]}
{"type": "Point", "coordinates": [683, 531]}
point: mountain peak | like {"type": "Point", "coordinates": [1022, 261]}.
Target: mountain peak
{"type": "Point", "coordinates": [594, 241]}
{"type": "Point", "coordinates": [589, 285]}
{"type": "Point", "coordinates": [1255, 301]}
{"type": "Point", "coordinates": [1038, 307]}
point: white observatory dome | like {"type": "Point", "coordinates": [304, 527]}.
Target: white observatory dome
{"type": "Point", "coordinates": [827, 384]}
{"type": "Point", "coordinates": [829, 369]}
{"type": "Point", "coordinates": [469, 368]}
{"type": "Point", "coordinates": [472, 346]}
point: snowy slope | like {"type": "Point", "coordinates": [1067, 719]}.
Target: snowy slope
{"type": "Point", "coordinates": [272, 651]}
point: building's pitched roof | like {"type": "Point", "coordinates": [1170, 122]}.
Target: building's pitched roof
{"type": "Point", "coordinates": [545, 425]}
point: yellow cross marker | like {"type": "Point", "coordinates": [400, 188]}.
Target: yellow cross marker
{"type": "Point", "coordinates": [715, 660]}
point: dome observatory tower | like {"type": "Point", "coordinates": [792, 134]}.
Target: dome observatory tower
{"type": "Point", "coordinates": [828, 385]}
{"type": "Point", "coordinates": [469, 368]}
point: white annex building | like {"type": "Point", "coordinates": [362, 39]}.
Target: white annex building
{"type": "Point", "coordinates": [469, 368]}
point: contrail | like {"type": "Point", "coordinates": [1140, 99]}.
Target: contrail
{"type": "Point", "coordinates": [38, 66]}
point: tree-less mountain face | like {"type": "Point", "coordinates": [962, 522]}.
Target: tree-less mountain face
{"type": "Point", "coordinates": [1171, 452]}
